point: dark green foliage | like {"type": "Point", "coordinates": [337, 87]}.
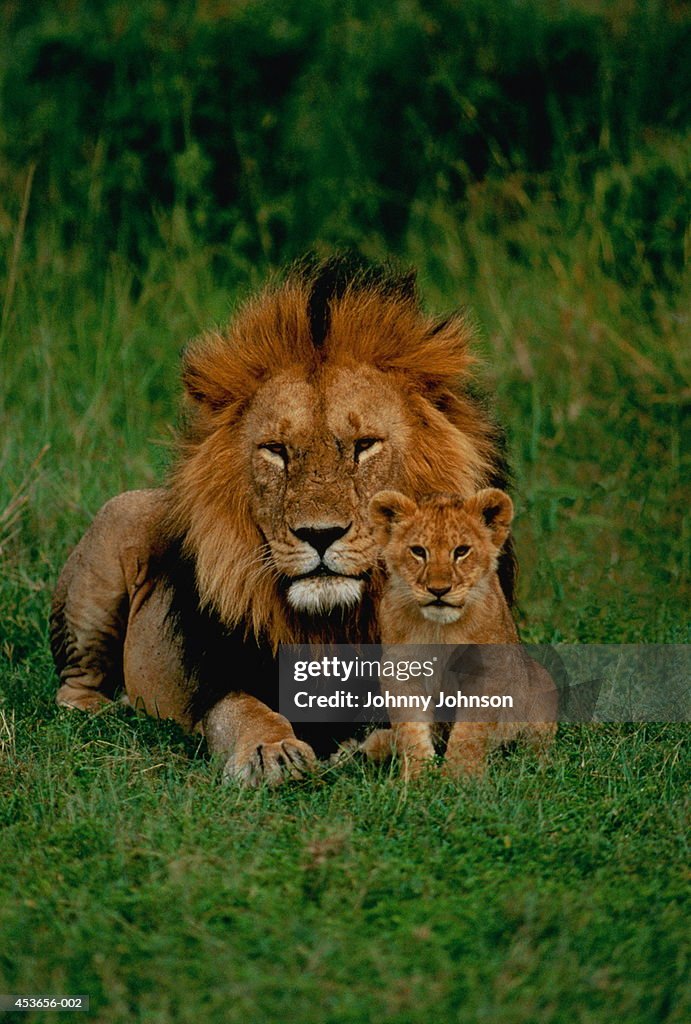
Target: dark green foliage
{"type": "Point", "coordinates": [271, 127]}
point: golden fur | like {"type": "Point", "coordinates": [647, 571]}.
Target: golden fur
{"type": "Point", "coordinates": [441, 556]}
{"type": "Point", "coordinates": [291, 429]}
{"type": "Point", "coordinates": [382, 372]}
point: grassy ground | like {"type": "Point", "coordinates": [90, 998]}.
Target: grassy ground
{"type": "Point", "coordinates": [542, 894]}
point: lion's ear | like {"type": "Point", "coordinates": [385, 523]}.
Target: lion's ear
{"type": "Point", "coordinates": [204, 372]}
{"type": "Point", "coordinates": [386, 509]}
{"type": "Point", "coordinates": [495, 508]}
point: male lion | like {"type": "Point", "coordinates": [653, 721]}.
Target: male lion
{"type": "Point", "coordinates": [326, 388]}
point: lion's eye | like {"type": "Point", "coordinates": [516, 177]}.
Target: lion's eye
{"type": "Point", "coordinates": [461, 551]}
{"type": "Point", "coordinates": [275, 452]}
{"type": "Point", "coordinates": [419, 552]}
{"type": "Point", "coordinates": [365, 444]}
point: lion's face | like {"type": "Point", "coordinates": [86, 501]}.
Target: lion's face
{"type": "Point", "coordinates": [318, 449]}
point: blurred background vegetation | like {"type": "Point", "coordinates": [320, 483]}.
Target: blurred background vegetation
{"type": "Point", "coordinates": [262, 128]}
{"type": "Point", "coordinates": [529, 156]}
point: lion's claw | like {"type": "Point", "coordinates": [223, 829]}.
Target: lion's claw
{"type": "Point", "coordinates": [271, 763]}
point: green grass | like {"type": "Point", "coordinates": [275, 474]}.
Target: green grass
{"type": "Point", "coordinates": [546, 893]}
{"type": "Point", "coordinates": [551, 894]}
{"type": "Point", "coordinates": [554, 893]}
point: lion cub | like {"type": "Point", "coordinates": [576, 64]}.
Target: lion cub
{"type": "Point", "coordinates": [441, 556]}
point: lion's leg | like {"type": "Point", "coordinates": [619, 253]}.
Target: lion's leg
{"type": "Point", "coordinates": [92, 599]}
{"type": "Point", "coordinates": [259, 744]}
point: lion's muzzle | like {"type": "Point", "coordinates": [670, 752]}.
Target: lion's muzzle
{"type": "Point", "coordinates": [320, 537]}
{"type": "Point", "coordinates": [321, 593]}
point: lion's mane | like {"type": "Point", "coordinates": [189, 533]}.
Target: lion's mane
{"type": "Point", "coordinates": [337, 313]}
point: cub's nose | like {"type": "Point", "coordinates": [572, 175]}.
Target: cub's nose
{"type": "Point", "coordinates": [439, 591]}
{"type": "Point", "coordinates": [321, 537]}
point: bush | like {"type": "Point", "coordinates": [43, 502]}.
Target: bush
{"type": "Point", "coordinates": [269, 127]}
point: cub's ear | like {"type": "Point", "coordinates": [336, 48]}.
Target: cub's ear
{"type": "Point", "coordinates": [495, 508]}
{"type": "Point", "coordinates": [386, 509]}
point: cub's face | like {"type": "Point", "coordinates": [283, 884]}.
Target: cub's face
{"type": "Point", "coordinates": [442, 553]}
{"type": "Point", "coordinates": [317, 451]}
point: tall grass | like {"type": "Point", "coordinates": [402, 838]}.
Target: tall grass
{"type": "Point", "coordinates": [587, 376]}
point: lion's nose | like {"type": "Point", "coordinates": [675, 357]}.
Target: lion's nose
{"type": "Point", "coordinates": [439, 591]}
{"type": "Point", "coordinates": [321, 538]}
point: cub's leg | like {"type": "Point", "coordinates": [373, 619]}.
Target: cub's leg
{"type": "Point", "coordinates": [378, 745]}
{"type": "Point", "coordinates": [413, 743]}
{"type": "Point", "coordinates": [539, 736]}
{"type": "Point", "coordinates": [470, 742]}
{"type": "Point", "coordinates": [541, 728]}
{"type": "Point", "coordinates": [259, 744]}
{"type": "Point", "coordinates": [467, 749]}
{"type": "Point", "coordinates": [411, 740]}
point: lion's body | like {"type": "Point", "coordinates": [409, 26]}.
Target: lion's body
{"type": "Point", "coordinates": [441, 556]}
{"type": "Point", "coordinates": [323, 391]}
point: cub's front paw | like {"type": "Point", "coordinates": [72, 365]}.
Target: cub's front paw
{"type": "Point", "coordinates": [460, 768]}
{"type": "Point", "coordinates": [271, 763]}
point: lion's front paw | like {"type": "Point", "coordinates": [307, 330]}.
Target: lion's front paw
{"type": "Point", "coordinates": [271, 763]}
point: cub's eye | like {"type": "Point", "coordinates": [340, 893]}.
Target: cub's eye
{"type": "Point", "coordinates": [365, 444]}
{"type": "Point", "coordinates": [275, 452]}
{"type": "Point", "coordinates": [418, 552]}
{"type": "Point", "coordinates": [461, 551]}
